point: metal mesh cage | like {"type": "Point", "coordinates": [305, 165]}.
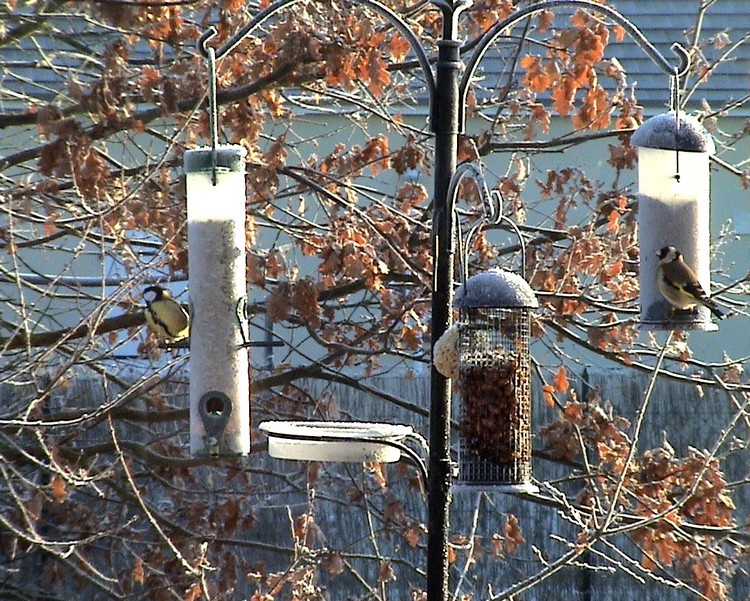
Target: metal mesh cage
{"type": "Point", "coordinates": [495, 403]}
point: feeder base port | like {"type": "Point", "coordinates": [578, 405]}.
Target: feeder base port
{"type": "Point", "coordinates": [334, 441]}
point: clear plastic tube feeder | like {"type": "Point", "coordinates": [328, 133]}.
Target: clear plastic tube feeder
{"type": "Point", "coordinates": [673, 210]}
{"type": "Point", "coordinates": [219, 380]}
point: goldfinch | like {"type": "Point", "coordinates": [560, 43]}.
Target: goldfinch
{"type": "Point", "coordinates": [165, 316]}
{"type": "Point", "coordinates": [678, 284]}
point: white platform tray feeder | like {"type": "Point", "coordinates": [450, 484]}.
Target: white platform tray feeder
{"type": "Point", "coordinates": [335, 441]}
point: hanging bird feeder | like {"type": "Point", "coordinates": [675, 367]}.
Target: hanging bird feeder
{"type": "Point", "coordinates": [219, 380]}
{"type": "Point", "coordinates": [673, 210]}
{"type": "Point", "coordinates": [495, 382]}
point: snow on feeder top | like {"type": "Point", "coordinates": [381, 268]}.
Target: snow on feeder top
{"type": "Point", "coordinates": [664, 132]}
{"type": "Point", "coordinates": [495, 288]}
{"type": "Point", "coordinates": [674, 150]}
{"type": "Point", "coordinates": [494, 368]}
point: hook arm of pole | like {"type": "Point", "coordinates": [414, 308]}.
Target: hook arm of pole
{"type": "Point", "coordinates": [202, 42]}
{"type": "Point", "coordinates": [684, 57]}
{"type": "Point", "coordinates": [462, 171]}
{"type": "Point", "coordinates": [261, 17]}
{"type": "Point", "coordinates": [492, 202]}
{"type": "Point", "coordinates": [498, 28]}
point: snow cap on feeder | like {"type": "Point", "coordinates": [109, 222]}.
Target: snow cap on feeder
{"type": "Point", "coordinates": [665, 133]}
{"type": "Point", "coordinates": [495, 288]}
{"type": "Point", "coordinates": [673, 210]}
{"type": "Point", "coordinates": [494, 368]}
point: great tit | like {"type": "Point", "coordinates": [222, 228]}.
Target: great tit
{"type": "Point", "coordinates": [678, 284]}
{"type": "Point", "coordinates": [165, 316]}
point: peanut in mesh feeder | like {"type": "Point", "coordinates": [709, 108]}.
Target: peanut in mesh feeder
{"type": "Point", "coordinates": [495, 383]}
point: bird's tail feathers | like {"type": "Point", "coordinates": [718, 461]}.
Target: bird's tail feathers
{"type": "Point", "coordinates": [713, 308]}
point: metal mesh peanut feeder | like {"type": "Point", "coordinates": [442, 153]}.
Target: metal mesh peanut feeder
{"type": "Point", "coordinates": [495, 382]}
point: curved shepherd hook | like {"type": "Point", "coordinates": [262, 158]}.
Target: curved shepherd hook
{"type": "Point", "coordinates": [492, 201]}
{"type": "Point", "coordinates": [374, 5]}
{"type": "Point", "coordinates": [499, 28]}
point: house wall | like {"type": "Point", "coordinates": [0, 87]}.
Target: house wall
{"type": "Point", "coordinates": [730, 213]}
{"type": "Point", "coordinates": [730, 210]}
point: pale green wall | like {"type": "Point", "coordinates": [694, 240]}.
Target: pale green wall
{"type": "Point", "coordinates": [319, 134]}
{"type": "Point", "coordinates": [730, 203]}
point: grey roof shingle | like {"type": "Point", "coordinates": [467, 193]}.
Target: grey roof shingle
{"type": "Point", "coordinates": [666, 22]}
{"type": "Point", "coordinates": [662, 23]}
{"type": "Point", "coordinates": [43, 67]}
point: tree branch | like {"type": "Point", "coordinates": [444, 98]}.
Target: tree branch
{"type": "Point", "coordinates": [111, 324]}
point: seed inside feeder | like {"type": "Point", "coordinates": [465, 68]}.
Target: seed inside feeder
{"type": "Point", "coordinates": [493, 419]}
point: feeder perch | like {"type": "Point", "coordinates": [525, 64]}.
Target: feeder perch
{"type": "Point", "coordinates": [219, 380]}
{"type": "Point", "coordinates": [673, 210]}
{"type": "Point", "coordinates": [335, 441]}
{"type": "Point", "coordinates": [495, 383]}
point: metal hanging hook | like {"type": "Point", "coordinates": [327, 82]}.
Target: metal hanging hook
{"type": "Point", "coordinates": [684, 57]}
{"type": "Point", "coordinates": [676, 76]}
{"type": "Point", "coordinates": [202, 42]}
{"type": "Point", "coordinates": [209, 54]}
{"type": "Point", "coordinates": [674, 97]}
{"type": "Point", "coordinates": [492, 202]}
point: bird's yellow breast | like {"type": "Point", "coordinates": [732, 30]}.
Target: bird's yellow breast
{"type": "Point", "coordinates": [168, 319]}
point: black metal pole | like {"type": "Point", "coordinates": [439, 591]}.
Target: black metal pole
{"type": "Point", "coordinates": [445, 124]}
